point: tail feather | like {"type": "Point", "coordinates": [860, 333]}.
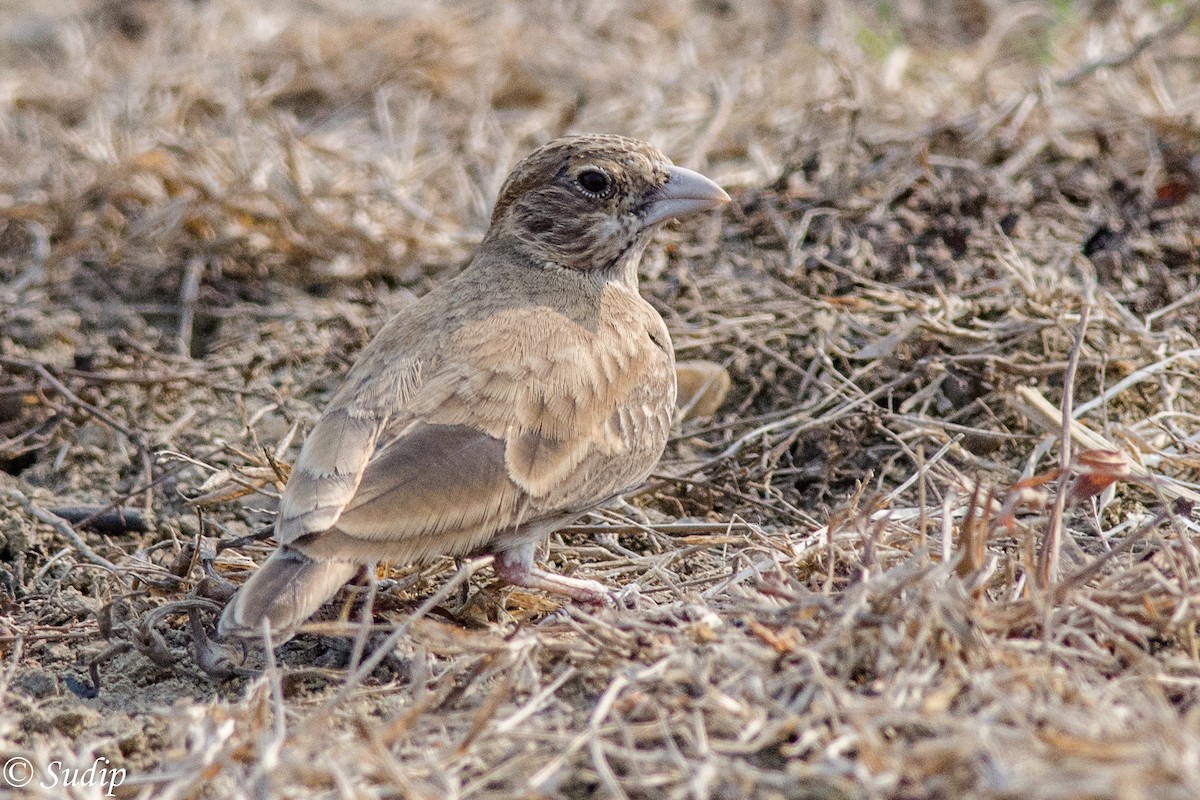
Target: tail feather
{"type": "Point", "coordinates": [284, 591]}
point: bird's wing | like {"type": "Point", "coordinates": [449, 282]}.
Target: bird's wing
{"type": "Point", "coordinates": [434, 489]}
{"type": "Point", "coordinates": [338, 449]}
{"type": "Point", "coordinates": [497, 439]}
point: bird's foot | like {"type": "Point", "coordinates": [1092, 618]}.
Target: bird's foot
{"type": "Point", "coordinates": [516, 567]}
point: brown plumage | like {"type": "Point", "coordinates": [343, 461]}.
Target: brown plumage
{"type": "Point", "coordinates": [504, 404]}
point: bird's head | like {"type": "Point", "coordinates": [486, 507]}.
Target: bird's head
{"type": "Point", "coordinates": [591, 202]}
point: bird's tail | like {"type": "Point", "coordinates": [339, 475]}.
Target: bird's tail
{"type": "Point", "coordinates": [284, 591]}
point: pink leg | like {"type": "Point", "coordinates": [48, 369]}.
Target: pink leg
{"type": "Point", "coordinates": [516, 567]}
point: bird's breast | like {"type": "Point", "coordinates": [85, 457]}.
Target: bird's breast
{"type": "Point", "coordinates": [557, 374]}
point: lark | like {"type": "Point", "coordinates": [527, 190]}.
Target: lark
{"type": "Point", "coordinates": [503, 405]}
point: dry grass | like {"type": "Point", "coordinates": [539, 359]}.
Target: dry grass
{"type": "Point", "coordinates": [874, 573]}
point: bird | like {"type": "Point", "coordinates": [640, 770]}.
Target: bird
{"type": "Point", "coordinates": [501, 406]}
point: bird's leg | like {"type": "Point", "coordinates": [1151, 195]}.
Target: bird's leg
{"type": "Point", "coordinates": [516, 567]}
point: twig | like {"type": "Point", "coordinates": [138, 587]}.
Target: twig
{"type": "Point", "coordinates": [74, 399]}
{"type": "Point", "coordinates": [535, 704]}
{"type": "Point", "coordinates": [1042, 412]}
{"type": "Point", "coordinates": [803, 420]}
{"type": "Point", "coordinates": [1163, 34]}
{"type": "Point", "coordinates": [1170, 308]}
{"type": "Point", "coordinates": [922, 498]}
{"type": "Point", "coordinates": [189, 290]}
{"type": "Point", "coordinates": [671, 529]}
{"type": "Point", "coordinates": [365, 618]}
{"type": "Point", "coordinates": [922, 465]}
{"type": "Point", "coordinates": [60, 525]}
{"type": "Point", "coordinates": [1052, 545]}
{"type": "Point", "coordinates": [15, 660]}
{"type": "Point", "coordinates": [1087, 572]}
{"type": "Point", "coordinates": [603, 706]}
{"type": "Point", "coordinates": [469, 568]}
{"type": "Point", "coordinates": [105, 519]}
{"type": "Point", "coordinates": [1137, 376]}
{"type": "Point", "coordinates": [270, 743]}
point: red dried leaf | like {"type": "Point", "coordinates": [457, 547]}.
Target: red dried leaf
{"type": "Point", "coordinates": [1098, 469]}
{"type": "Point", "coordinates": [1171, 194]}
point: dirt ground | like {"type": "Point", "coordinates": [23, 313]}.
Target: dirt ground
{"type": "Point", "coordinates": [959, 228]}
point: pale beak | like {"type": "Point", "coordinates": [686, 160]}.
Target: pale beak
{"type": "Point", "coordinates": [684, 193]}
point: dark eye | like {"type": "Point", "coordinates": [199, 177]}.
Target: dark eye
{"type": "Point", "coordinates": [593, 181]}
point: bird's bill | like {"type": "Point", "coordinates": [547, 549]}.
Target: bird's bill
{"type": "Point", "coordinates": [685, 192]}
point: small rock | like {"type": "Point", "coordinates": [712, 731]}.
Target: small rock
{"type": "Point", "coordinates": [36, 683]}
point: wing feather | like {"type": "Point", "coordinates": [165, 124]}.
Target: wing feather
{"type": "Point", "coordinates": [434, 479]}
{"type": "Point", "coordinates": [339, 448]}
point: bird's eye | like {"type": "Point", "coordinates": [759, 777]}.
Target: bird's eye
{"type": "Point", "coordinates": [593, 181]}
